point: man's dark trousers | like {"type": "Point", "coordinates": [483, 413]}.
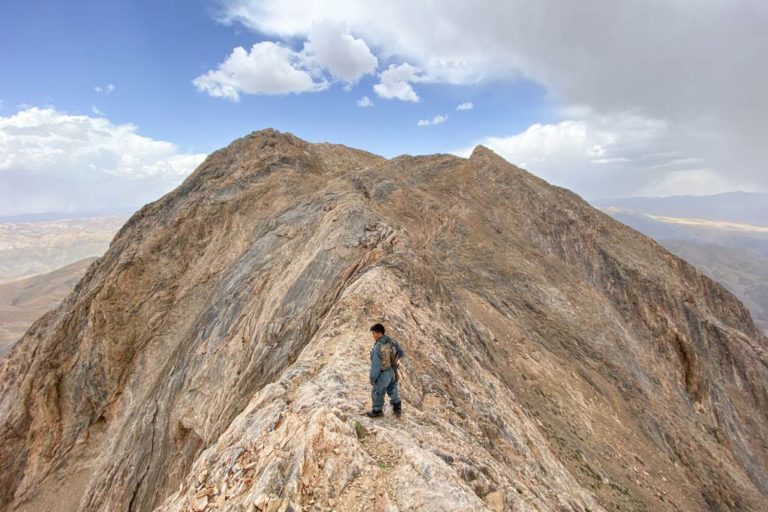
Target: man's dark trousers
{"type": "Point", "coordinates": [385, 383]}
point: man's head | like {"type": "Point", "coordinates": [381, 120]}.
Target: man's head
{"type": "Point", "coordinates": [377, 331]}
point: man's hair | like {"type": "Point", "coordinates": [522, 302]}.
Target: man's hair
{"type": "Point", "coordinates": [377, 328]}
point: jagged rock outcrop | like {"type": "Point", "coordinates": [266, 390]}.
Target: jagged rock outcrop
{"type": "Point", "coordinates": [215, 358]}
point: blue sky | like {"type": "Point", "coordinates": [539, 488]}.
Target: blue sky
{"type": "Point", "coordinates": [569, 93]}
{"type": "Point", "coordinates": [151, 52]}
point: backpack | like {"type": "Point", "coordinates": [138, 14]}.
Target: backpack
{"type": "Point", "coordinates": [388, 355]}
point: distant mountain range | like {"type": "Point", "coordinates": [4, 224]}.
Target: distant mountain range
{"type": "Point", "coordinates": [737, 207]}
{"type": "Point", "coordinates": [36, 244]}
{"type": "Point", "coordinates": [724, 235]}
{"type": "Point", "coordinates": [57, 216]}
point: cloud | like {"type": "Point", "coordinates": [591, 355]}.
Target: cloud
{"type": "Point", "coordinates": [364, 102]}
{"type": "Point", "coordinates": [96, 111]}
{"type": "Point", "coordinates": [394, 82]}
{"type": "Point", "coordinates": [107, 89]}
{"type": "Point", "coordinates": [694, 182]}
{"type": "Point", "coordinates": [268, 68]}
{"type": "Point", "coordinates": [618, 155]}
{"type": "Point", "coordinates": [438, 119]}
{"type": "Point", "coordinates": [699, 70]}
{"type": "Point", "coordinates": [330, 54]}
{"type": "Point", "coordinates": [602, 156]}
{"type": "Point", "coordinates": [332, 48]}
{"type": "Point", "coordinates": [467, 105]}
{"type": "Point", "coordinates": [54, 161]}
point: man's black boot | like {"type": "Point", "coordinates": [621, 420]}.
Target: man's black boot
{"type": "Point", "coordinates": [397, 409]}
{"type": "Point", "coordinates": [374, 414]}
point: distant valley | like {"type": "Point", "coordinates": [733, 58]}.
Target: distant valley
{"type": "Point", "coordinates": [724, 235]}
{"type": "Point", "coordinates": [24, 301]}
{"type": "Point", "coordinates": [734, 207]}
{"type": "Point", "coordinates": [42, 257]}
{"type": "Point", "coordinates": [38, 244]}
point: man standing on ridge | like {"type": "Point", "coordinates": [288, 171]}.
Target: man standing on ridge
{"type": "Point", "coordinates": [385, 355]}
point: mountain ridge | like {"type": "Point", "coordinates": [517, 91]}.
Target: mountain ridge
{"type": "Point", "coordinates": [213, 358]}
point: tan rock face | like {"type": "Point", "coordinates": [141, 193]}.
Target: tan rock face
{"type": "Point", "coordinates": [216, 357]}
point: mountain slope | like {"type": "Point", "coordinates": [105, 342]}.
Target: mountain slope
{"type": "Point", "coordinates": [216, 357]}
{"type": "Point", "coordinates": [742, 271]}
{"type": "Point", "coordinates": [24, 301]}
{"type": "Point", "coordinates": [733, 254]}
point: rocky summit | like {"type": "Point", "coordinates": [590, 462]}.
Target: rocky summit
{"type": "Point", "coordinates": [216, 357]}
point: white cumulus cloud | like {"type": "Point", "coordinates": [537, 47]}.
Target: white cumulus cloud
{"type": "Point", "coordinates": [600, 156]}
{"type": "Point", "coordinates": [467, 105]}
{"type": "Point", "coordinates": [268, 68]}
{"type": "Point", "coordinates": [332, 48]}
{"type": "Point", "coordinates": [395, 82]}
{"type": "Point", "coordinates": [330, 54]}
{"type": "Point", "coordinates": [438, 119]}
{"type": "Point", "coordinates": [364, 102]}
{"type": "Point", "coordinates": [51, 161]}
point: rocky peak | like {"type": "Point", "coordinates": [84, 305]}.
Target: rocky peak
{"type": "Point", "coordinates": [481, 151]}
{"type": "Point", "coordinates": [216, 357]}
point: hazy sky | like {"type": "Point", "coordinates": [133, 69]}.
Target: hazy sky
{"type": "Point", "coordinates": [107, 105]}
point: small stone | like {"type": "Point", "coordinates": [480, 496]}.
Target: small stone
{"type": "Point", "coordinates": [261, 501]}
{"type": "Point", "coordinates": [207, 491]}
{"type": "Point", "coordinates": [381, 504]}
{"type": "Point", "coordinates": [360, 430]}
{"type": "Point", "coordinates": [495, 501]}
{"type": "Point", "coordinates": [200, 504]}
{"type": "Point", "coordinates": [273, 505]}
